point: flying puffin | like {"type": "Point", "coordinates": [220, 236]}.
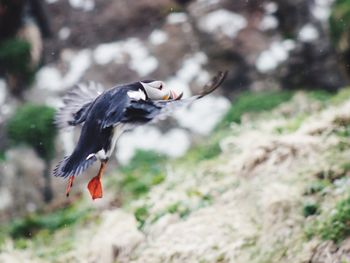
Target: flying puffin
{"type": "Point", "coordinates": [105, 115]}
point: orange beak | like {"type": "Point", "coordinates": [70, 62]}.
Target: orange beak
{"type": "Point", "coordinates": [174, 95]}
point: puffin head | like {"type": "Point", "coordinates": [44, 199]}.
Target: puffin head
{"type": "Point", "coordinates": [157, 90]}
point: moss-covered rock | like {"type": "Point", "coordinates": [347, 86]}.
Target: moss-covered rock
{"type": "Point", "coordinates": [33, 125]}
{"type": "Point", "coordinates": [340, 30]}
{"type": "Point", "coordinates": [15, 60]}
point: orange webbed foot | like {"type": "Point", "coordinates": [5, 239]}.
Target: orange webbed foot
{"type": "Point", "coordinates": [95, 187]}
{"type": "Point", "coordinates": [69, 185]}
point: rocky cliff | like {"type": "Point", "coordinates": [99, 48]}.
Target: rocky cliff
{"type": "Point", "coordinates": [276, 191]}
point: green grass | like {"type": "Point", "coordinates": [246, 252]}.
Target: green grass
{"type": "Point", "coordinates": [2, 156]}
{"type": "Point", "coordinates": [292, 125]}
{"type": "Point", "coordinates": [145, 170]}
{"type": "Point", "coordinates": [317, 186]}
{"type": "Point", "coordinates": [15, 59]}
{"type": "Point", "coordinates": [310, 208]}
{"type": "Point", "coordinates": [203, 152]}
{"type": "Point", "coordinates": [33, 125]}
{"type": "Point", "coordinates": [320, 95]}
{"type": "Point", "coordinates": [32, 224]}
{"type": "Point", "coordinates": [339, 21]}
{"type": "Point", "coordinates": [336, 225]}
{"type": "Point", "coordinates": [341, 96]}
{"type": "Point", "coordinates": [254, 102]}
{"type": "Point", "coordinates": [183, 209]}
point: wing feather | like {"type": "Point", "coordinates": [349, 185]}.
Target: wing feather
{"type": "Point", "coordinates": [77, 104]}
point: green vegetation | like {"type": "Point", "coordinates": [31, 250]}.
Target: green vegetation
{"type": "Point", "coordinates": [2, 156]}
{"type": "Point", "coordinates": [145, 170]}
{"type": "Point", "coordinates": [33, 224]}
{"type": "Point", "coordinates": [341, 96]}
{"type": "Point", "coordinates": [336, 224]}
{"type": "Point", "coordinates": [310, 208]}
{"type": "Point", "coordinates": [339, 22]}
{"type": "Point", "coordinates": [33, 125]}
{"type": "Point", "coordinates": [317, 187]}
{"type": "Point", "coordinates": [203, 152]}
{"type": "Point", "coordinates": [141, 214]}
{"type": "Point", "coordinates": [15, 59]}
{"type": "Point", "coordinates": [320, 95]}
{"type": "Point", "coordinates": [254, 102]}
{"type": "Point", "coordinates": [183, 209]}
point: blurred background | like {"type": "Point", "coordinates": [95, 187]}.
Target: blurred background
{"type": "Point", "coordinates": [257, 172]}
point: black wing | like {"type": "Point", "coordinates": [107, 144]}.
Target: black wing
{"type": "Point", "coordinates": [117, 101]}
{"type": "Point", "coordinates": [146, 111]}
{"type": "Point", "coordinates": [77, 104]}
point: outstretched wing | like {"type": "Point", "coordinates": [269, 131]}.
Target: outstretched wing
{"type": "Point", "coordinates": [77, 105]}
{"type": "Point", "coordinates": [146, 111]}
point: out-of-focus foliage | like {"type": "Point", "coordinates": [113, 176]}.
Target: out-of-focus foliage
{"type": "Point", "coordinates": [2, 156]}
{"type": "Point", "coordinates": [206, 151]}
{"type": "Point", "coordinates": [339, 23]}
{"type": "Point", "coordinates": [320, 95]}
{"type": "Point", "coordinates": [33, 125]}
{"type": "Point", "coordinates": [310, 208]}
{"type": "Point", "coordinates": [336, 226]}
{"type": "Point", "coordinates": [144, 170]}
{"type": "Point", "coordinates": [341, 96]}
{"type": "Point", "coordinates": [34, 223]}
{"type": "Point", "coordinates": [15, 59]}
{"type": "Point", "coordinates": [340, 31]}
{"type": "Point", "coordinates": [254, 102]}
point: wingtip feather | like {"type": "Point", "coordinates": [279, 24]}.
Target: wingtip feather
{"type": "Point", "coordinates": [61, 170]}
{"type": "Point", "coordinates": [214, 83]}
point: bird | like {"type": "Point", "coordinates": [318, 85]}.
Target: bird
{"type": "Point", "coordinates": [104, 115]}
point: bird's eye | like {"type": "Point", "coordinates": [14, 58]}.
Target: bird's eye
{"type": "Point", "coordinates": [161, 86]}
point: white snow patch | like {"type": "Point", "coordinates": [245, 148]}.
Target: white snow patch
{"type": "Point", "coordinates": [269, 59]}
{"type": "Point", "coordinates": [203, 78]}
{"type": "Point", "coordinates": [223, 21]}
{"type": "Point", "coordinates": [203, 115]}
{"type": "Point", "coordinates": [106, 53]}
{"type": "Point", "coordinates": [308, 33]}
{"type": "Point", "coordinates": [131, 51]}
{"type": "Point", "coordinates": [288, 44]}
{"type": "Point", "coordinates": [79, 63]}
{"type": "Point", "coordinates": [209, 2]}
{"type": "Point", "coordinates": [322, 9]}
{"type": "Point", "coordinates": [64, 33]}
{"type": "Point", "coordinates": [51, 1]}
{"type": "Point", "coordinates": [192, 66]}
{"type": "Point", "coordinates": [3, 91]}
{"type": "Point", "coordinates": [141, 61]}
{"type": "Point", "coordinates": [48, 78]}
{"type": "Point", "coordinates": [191, 69]}
{"type": "Point", "coordinates": [7, 109]}
{"type": "Point", "coordinates": [86, 5]}
{"type": "Point", "coordinates": [176, 18]}
{"type": "Point", "coordinates": [179, 86]}
{"type": "Point", "coordinates": [268, 22]}
{"type": "Point", "coordinates": [174, 143]}
{"type": "Point", "coordinates": [5, 197]}
{"type": "Point", "coordinates": [158, 37]}
{"type": "Point", "coordinates": [55, 102]}
{"type": "Point", "coordinates": [271, 7]}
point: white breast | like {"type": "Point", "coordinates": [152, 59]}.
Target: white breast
{"type": "Point", "coordinates": [117, 131]}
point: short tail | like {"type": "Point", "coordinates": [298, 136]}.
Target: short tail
{"type": "Point", "coordinates": [70, 166]}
